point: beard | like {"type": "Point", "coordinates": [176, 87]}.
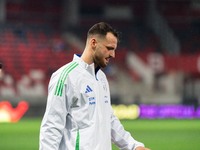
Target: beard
{"type": "Point", "coordinates": [99, 61]}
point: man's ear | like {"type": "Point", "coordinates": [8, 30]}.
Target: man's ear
{"type": "Point", "coordinates": [93, 43]}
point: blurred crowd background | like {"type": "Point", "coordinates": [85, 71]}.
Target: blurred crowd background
{"type": "Point", "coordinates": [157, 60]}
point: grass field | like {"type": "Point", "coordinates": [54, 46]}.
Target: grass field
{"type": "Point", "coordinates": [156, 134]}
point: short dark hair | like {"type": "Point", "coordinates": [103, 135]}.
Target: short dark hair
{"type": "Point", "coordinates": [102, 29]}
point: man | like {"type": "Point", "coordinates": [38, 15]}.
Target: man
{"type": "Point", "coordinates": [79, 114]}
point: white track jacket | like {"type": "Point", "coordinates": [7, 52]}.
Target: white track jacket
{"type": "Point", "coordinates": [78, 114]}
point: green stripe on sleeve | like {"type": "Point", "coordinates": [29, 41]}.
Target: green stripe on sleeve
{"type": "Point", "coordinates": [77, 141]}
{"type": "Point", "coordinates": [62, 78]}
{"type": "Point", "coordinates": [60, 81]}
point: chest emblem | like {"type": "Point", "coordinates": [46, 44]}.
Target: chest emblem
{"type": "Point", "coordinates": [88, 89]}
{"type": "Point", "coordinates": [91, 98]}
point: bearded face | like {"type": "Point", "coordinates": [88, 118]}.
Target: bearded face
{"type": "Point", "coordinates": [104, 50]}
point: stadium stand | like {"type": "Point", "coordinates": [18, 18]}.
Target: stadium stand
{"type": "Point", "coordinates": [183, 18]}
{"type": "Point", "coordinates": [29, 42]}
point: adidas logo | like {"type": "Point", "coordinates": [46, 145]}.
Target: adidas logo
{"type": "Point", "coordinates": [88, 89]}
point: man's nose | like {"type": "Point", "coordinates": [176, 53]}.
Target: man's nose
{"type": "Point", "coordinates": [112, 54]}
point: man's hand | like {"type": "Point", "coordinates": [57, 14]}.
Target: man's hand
{"type": "Point", "coordinates": [142, 148]}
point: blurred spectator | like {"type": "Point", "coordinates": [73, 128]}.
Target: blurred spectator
{"type": "Point", "coordinates": [58, 45]}
{"type": "Point", "coordinates": [20, 32]}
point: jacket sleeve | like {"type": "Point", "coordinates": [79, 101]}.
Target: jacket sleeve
{"type": "Point", "coordinates": [121, 137]}
{"type": "Point", "coordinates": [54, 120]}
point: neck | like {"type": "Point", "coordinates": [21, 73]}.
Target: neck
{"type": "Point", "coordinates": [87, 57]}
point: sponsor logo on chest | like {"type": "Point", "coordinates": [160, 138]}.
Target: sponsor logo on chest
{"type": "Point", "coordinates": [91, 95]}
{"type": "Point", "coordinates": [92, 99]}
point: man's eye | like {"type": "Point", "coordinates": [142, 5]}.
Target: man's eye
{"type": "Point", "coordinates": [109, 48]}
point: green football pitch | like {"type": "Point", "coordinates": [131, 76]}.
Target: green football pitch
{"type": "Point", "coordinates": [156, 134]}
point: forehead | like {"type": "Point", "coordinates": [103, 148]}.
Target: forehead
{"type": "Point", "coordinates": [110, 39]}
